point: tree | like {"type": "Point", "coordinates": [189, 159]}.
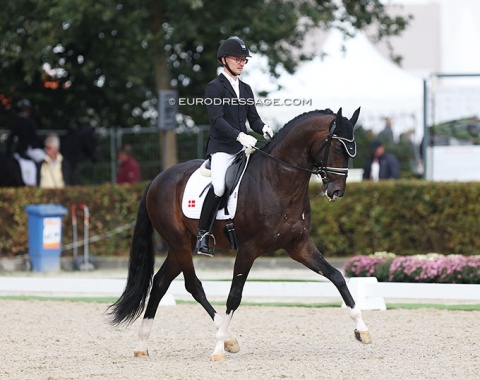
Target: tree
{"type": "Point", "coordinates": [78, 61]}
{"type": "Point", "coordinates": [102, 61]}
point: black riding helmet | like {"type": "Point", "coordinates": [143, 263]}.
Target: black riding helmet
{"type": "Point", "coordinates": [233, 46]}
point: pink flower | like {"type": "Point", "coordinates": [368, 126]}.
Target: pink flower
{"type": "Point", "coordinates": [420, 268]}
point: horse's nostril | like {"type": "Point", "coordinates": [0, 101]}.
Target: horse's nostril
{"type": "Point", "coordinates": [337, 194]}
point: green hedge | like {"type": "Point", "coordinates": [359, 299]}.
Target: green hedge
{"type": "Point", "coordinates": [405, 217]}
{"type": "Point", "coordinates": [110, 207]}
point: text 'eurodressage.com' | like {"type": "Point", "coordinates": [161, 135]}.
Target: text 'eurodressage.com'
{"type": "Point", "coordinates": [240, 102]}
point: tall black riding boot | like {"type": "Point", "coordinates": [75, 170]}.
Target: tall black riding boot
{"type": "Point", "coordinates": [205, 224]}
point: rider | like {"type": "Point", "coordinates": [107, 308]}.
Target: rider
{"type": "Point", "coordinates": [28, 144]}
{"type": "Point", "coordinates": [230, 104]}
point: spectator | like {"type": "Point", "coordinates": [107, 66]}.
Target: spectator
{"type": "Point", "coordinates": [23, 138]}
{"type": "Point", "coordinates": [386, 135]}
{"type": "Point", "coordinates": [381, 164]}
{"type": "Point", "coordinates": [54, 171]}
{"type": "Point", "coordinates": [129, 171]}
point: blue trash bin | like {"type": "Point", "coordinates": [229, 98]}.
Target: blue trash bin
{"type": "Point", "coordinates": [45, 236]}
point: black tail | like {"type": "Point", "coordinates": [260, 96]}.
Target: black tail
{"type": "Point", "coordinates": [140, 271]}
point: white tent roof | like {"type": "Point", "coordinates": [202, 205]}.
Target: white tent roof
{"type": "Point", "coordinates": [358, 76]}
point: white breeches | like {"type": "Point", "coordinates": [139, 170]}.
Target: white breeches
{"type": "Point", "coordinates": [220, 162]}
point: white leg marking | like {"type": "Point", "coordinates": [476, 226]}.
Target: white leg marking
{"type": "Point", "coordinates": [143, 335]}
{"type": "Point", "coordinates": [356, 315]}
{"type": "Point", "coordinates": [221, 336]}
{"type": "Point", "coordinates": [361, 331]}
{"type": "Point", "coordinates": [217, 321]}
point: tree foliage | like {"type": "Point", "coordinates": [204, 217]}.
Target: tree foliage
{"type": "Point", "coordinates": [102, 61]}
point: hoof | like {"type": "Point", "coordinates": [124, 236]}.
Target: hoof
{"type": "Point", "coordinates": [363, 336]}
{"type": "Point", "coordinates": [232, 346]}
{"type": "Point", "coordinates": [140, 354]}
{"type": "Point", "coordinates": [218, 358]}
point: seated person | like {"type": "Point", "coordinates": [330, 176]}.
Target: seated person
{"type": "Point", "coordinates": [54, 172]}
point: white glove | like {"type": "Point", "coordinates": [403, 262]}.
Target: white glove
{"type": "Point", "coordinates": [246, 140]}
{"type": "Point", "coordinates": [267, 132]}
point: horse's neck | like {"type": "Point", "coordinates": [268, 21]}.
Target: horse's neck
{"type": "Point", "coordinates": [286, 180]}
{"type": "Point", "coordinates": [290, 174]}
{"type": "Point", "coordinates": [293, 150]}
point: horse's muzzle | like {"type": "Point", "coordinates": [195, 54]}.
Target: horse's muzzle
{"type": "Point", "coordinates": [332, 191]}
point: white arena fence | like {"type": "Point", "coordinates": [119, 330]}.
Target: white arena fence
{"type": "Point", "coordinates": [367, 291]}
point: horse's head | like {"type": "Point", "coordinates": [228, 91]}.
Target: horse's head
{"type": "Point", "coordinates": [331, 154]}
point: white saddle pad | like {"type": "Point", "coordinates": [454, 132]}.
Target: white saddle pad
{"type": "Point", "coordinates": [192, 202]}
{"type": "Point", "coordinates": [28, 170]}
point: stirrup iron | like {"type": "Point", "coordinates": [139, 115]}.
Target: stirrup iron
{"type": "Point", "coordinates": [211, 251]}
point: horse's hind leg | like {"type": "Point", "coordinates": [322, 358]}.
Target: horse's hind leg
{"type": "Point", "coordinates": [161, 282]}
{"type": "Point", "coordinates": [225, 340]}
{"type": "Point", "coordinates": [195, 288]}
{"type": "Point", "coordinates": [311, 257]}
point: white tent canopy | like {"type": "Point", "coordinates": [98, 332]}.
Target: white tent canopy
{"type": "Point", "coordinates": [358, 76]}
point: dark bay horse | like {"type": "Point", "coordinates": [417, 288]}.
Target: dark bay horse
{"type": "Point", "coordinates": [273, 213]}
{"type": "Point", "coordinates": [75, 145]}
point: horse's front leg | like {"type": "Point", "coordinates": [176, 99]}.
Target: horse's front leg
{"type": "Point", "coordinates": [225, 338]}
{"type": "Point", "coordinates": [195, 288]}
{"type": "Point", "coordinates": [310, 256]}
{"type": "Point", "coordinates": [230, 340]}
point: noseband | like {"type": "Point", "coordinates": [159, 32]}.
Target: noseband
{"type": "Point", "coordinates": [320, 169]}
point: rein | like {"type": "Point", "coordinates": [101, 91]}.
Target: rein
{"type": "Point", "coordinates": [320, 170]}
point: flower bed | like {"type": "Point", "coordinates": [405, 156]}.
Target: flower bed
{"type": "Point", "coordinates": [432, 268]}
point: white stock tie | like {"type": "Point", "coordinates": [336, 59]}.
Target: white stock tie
{"type": "Point", "coordinates": [236, 87]}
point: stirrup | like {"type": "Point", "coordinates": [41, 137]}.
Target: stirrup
{"type": "Point", "coordinates": [210, 251]}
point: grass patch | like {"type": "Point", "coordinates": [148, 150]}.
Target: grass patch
{"type": "Point", "coordinates": [67, 299]}
{"type": "Point", "coordinates": [279, 304]}
{"type": "Point", "coordinates": [390, 306]}
{"type": "Point", "coordinates": [464, 307]}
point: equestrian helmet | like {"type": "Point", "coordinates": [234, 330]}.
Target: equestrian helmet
{"type": "Point", "coordinates": [233, 46]}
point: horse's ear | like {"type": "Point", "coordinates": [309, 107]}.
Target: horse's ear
{"type": "Point", "coordinates": [354, 118]}
{"type": "Point", "coordinates": [339, 118]}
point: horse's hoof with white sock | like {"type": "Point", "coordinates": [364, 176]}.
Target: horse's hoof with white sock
{"type": "Point", "coordinates": [363, 336]}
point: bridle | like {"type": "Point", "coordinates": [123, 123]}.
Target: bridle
{"type": "Point", "coordinates": [320, 169]}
